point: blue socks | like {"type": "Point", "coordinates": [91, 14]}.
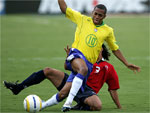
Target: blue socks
{"type": "Point", "coordinates": [33, 79]}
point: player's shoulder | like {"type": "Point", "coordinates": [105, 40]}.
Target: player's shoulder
{"type": "Point", "coordinates": [73, 11]}
{"type": "Point", "coordinates": [110, 66]}
{"type": "Point", "coordinates": [105, 63]}
{"type": "Point", "coordinates": [106, 26]}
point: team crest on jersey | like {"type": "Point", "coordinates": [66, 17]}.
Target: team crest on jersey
{"type": "Point", "coordinates": [91, 40]}
{"type": "Point", "coordinates": [95, 30]}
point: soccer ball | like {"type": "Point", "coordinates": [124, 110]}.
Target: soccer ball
{"type": "Point", "coordinates": [32, 103]}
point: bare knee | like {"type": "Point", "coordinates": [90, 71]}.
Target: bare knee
{"type": "Point", "coordinates": [48, 71]}
{"type": "Point", "coordinates": [83, 70]}
{"type": "Point", "coordinates": [94, 102]}
{"type": "Point", "coordinates": [79, 66]}
{"type": "Point", "coordinates": [62, 95]}
{"type": "Point", "coordinates": [96, 107]}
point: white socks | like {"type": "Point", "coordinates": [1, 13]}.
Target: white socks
{"type": "Point", "coordinates": [50, 102]}
{"type": "Point", "coordinates": [76, 85]}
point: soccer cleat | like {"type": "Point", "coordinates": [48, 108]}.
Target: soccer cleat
{"type": "Point", "coordinates": [77, 107]}
{"type": "Point", "coordinates": [66, 108]}
{"type": "Point", "coordinates": [12, 86]}
{"type": "Point", "coordinates": [81, 106]}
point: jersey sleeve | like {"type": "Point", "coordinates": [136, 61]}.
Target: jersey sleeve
{"type": "Point", "coordinates": [113, 80]}
{"type": "Point", "coordinates": [73, 15]}
{"type": "Point", "coordinates": [111, 41]}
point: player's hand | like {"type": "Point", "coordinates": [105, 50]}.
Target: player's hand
{"type": "Point", "coordinates": [67, 50]}
{"type": "Point", "coordinates": [134, 68]}
{"type": "Point", "coordinates": [119, 107]}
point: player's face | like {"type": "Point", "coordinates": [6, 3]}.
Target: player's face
{"type": "Point", "coordinates": [98, 15]}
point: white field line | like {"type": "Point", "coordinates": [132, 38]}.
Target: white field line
{"type": "Point", "coordinates": [36, 59]}
{"type": "Point", "coordinates": [36, 21]}
{"type": "Point", "coordinates": [147, 58]}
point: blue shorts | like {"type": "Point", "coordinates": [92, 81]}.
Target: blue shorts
{"type": "Point", "coordinates": [74, 53]}
{"type": "Point", "coordinates": [81, 96]}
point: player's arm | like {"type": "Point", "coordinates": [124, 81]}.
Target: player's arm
{"type": "Point", "coordinates": [120, 56]}
{"type": "Point", "coordinates": [115, 98]}
{"type": "Point", "coordinates": [74, 16]}
{"type": "Point", "coordinates": [115, 49]}
{"type": "Point", "coordinates": [62, 5]}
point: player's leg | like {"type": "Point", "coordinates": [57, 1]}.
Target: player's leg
{"type": "Point", "coordinates": [34, 78]}
{"type": "Point", "coordinates": [56, 98]}
{"type": "Point", "coordinates": [87, 100]}
{"type": "Point", "coordinates": [55, 76]}
{"type": "Point", "coordinates": [90, 103]}
{"type": "Point", "coordinates": [79, 66]}
{"type": "Point", "coordinates": [94, 102]}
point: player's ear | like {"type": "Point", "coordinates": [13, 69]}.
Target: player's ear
{"type": "Point", "coordinates": [101, 50]}
{"type": "Point", "coordinates": [93, 12]}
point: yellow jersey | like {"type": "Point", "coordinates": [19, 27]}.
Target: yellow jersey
{"type": "Point", "coordinates": [89, 37]}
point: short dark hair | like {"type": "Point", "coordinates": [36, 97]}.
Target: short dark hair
{"type": "Point", "coordinates": [105, 52]}
{"type": "Point", "coordinates": [101, 6]}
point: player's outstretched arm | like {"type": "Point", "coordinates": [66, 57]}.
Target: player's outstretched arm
{"type": "Point", "coordinates": [62, 5]}
{"type": "Point", "coordinates": [115, 98]}
{"type": "Point", "coordinates": [120, 56]}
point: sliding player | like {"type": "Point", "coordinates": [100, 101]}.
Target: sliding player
{"type": "Point", "coordinates": [87, 100]}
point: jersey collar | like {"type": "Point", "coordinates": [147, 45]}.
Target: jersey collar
{"type": "Point", "coordinates": [101, 60]}
{"type": "Point", "coordinates": [100, 25]}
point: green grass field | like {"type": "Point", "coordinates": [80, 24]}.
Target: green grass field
{"type": "Point", "coordinates": [31, 42]}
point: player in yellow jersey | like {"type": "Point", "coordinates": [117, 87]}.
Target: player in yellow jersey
{"type": "Point", "coordinates": [91, 32]}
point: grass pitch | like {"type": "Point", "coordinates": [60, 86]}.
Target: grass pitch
{"type": "Point", "coordinates": [31, 42]}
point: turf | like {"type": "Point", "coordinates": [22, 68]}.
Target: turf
{"type": "Point", "coordinates": [31, 42]}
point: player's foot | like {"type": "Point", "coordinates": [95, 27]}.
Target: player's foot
{"type": "Point", "coordinates": [76, 107]}
{"type": "Point", "coordinates": [81, 106]}
{"type": "Point", "coordinates": [66, 108]}
{"type": "Point", "coordinates": [12, 86]}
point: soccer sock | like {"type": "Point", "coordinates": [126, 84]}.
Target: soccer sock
{"type": "Point", "coordinates": [52, 101]}
{"type": "Point", "coordinates": [76, 85]}
{"type": "Point", "coordinates": [33, 79]}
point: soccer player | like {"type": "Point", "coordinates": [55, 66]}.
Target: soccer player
{"type": "Point", "coordinates": [91, 32]}
{"type": "Point", "coordinates": [87, 100]}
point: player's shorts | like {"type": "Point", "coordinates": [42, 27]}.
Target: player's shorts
{"type": "Point", "coordinates": [81, 96]}
{"type": "Point", "coordinates": [74, 53]}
